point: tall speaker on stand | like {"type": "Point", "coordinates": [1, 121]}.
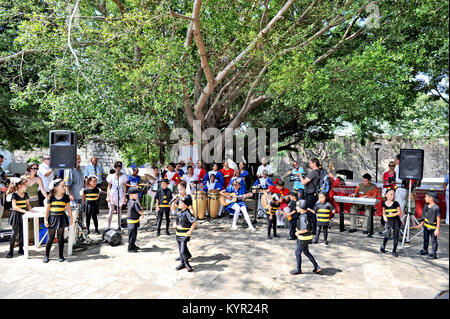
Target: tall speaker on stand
{"type": "Point", "coordinates": [63, 155]}
{"type": "Point", "coordinates": [411, 167]}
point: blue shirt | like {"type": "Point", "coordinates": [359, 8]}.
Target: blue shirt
{"type": "Point", "coordinates": [446, 181]}
{"type": "Point", "coordinates": [97, 171]}
{"type": "Point", "coordinates": [297, 183]}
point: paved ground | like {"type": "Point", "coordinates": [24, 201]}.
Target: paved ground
{"type": "Point", "coordinates": [229, 264]}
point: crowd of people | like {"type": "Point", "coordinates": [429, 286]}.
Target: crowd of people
{"type": "Point", "coordinates": [307, 206]}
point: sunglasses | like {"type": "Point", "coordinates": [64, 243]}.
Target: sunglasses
{"type": "Point", "coordinates": [34, 168]}
{"type": "Point", "coordinates": [46, 159]}
{"type": "Point", "coordinates": [391, 165]}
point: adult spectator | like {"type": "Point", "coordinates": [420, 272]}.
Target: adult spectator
{"type": "Point", "coordinates": [46, 174]}
{"type": "Point", "coordinates": [200, 172]}
{"type": "Point", "coordinates": [264, 166]}
{"type": "Point", "coordinates": [3, 188]}
{"type": "Point", "coordinates": [94, 169]}
{"type": "Point", "coordinates": [116, 192]}
{"type": "Point", "coordinates": [295, 173]}
{"type": "Point", "coordinates": [366, 189]}
{"type": "Point", "coordinates": [311, 183]}
{"type": "Point", "coordinates": [389, 176]}
{"type": "Point", "coordinates": [401, 192]}
{"type": "Point", "coordinates": [75, 182]}
{"type": "Point", "coordinates": [227, 173]}
{"type": "Point", "coordinates": [446, 197]}
{"type": "Point", "coordinates": [243, 173]}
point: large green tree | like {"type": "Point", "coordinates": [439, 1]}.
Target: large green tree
{"type": "Point", "coordinates": [129, 71]}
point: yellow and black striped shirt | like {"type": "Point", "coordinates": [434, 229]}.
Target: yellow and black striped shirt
{"type": "Point", "coordinates": [58, 206]}
{"type": "Point", "coordinates": [21, 202]}
{"type": "Point", "coordinates": [91, 195]}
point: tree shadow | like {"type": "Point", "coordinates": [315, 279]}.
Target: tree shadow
{"type": "Point", "coordinates": [154, 249]}
{"type": "Point", "coordinates": [202, 263]}
{"type": "Point", "coordinates": [329, 271]}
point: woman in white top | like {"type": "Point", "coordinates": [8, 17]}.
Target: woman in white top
{"type": "Point", "coordinates": [115, 195]}
{"type": "Point", "coordinates": [190, 180]}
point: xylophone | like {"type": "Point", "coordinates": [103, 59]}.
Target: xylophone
{"type": "Point", "coordinates": [355, 200]}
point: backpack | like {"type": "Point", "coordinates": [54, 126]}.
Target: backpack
{"type": "Point", "coordinates": [324, 182]}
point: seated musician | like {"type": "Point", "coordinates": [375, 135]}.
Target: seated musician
{"type": "Point", "coordinates": [264, 182]}
{"type": "Point", "coordinates": [237, 177]}
{"type": "Point", "coordinates": [365, 189]}
{"type": "Point", "coordinates": [283, 193]}
{"type": "Point", "coordinates": [211, 184]}
{"type": "Point", "coordinates": [234, 191]}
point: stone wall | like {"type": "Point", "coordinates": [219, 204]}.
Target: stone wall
{"type": "Point", "coordinates": [348, 153]}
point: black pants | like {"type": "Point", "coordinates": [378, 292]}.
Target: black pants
{"type": "Point", "coordinates": [91, 212]}
{"type": "Point", "coordinates": [41, 198]}
{"type": "Point", "coordinates": [184, 251]}
{"type": "Point", "coordinates": [311, 200]}
{"type": "Point", "coordinates": [393, 228]}
{"type": "Point", "coordinates": [292, 226]}
{"type": "Point", "coordinates": [426, 239]}
{"type": "Point", "coordinates": [161, 212]}
{"type": "Point", "coordinates": [302, 247]}
{"type": "Point", "coordinates": [51, 238]}
{"type": "Point", "coordinates": [325, 233]}
{"type": "Point", "coordinates": [272, 223]}
{"type": "Point", "coordinates": [301, 193]}
{"type": "Point", "coordinates": [132, 235]}
{"type": "Point", "coordinates": [16, 230]}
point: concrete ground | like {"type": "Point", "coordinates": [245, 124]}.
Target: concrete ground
{"type": "Point", "coordinates": [228, 264]}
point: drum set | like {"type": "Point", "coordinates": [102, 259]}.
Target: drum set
{"type": "Point", "coordinates": [203, 203]}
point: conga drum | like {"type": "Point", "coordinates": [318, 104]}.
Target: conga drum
{"type": "Point", "coordinates": [213, 203]}
{"type": "Point", "coordinates": [199, 204]}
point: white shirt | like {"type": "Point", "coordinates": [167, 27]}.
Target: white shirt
{"type": "Point", "coordinates": [169, 176]}
{"type": "Point", "coordinates": [44, 169]}
{"type": "Point", "coordinates": [397, 180]}
{"type": "Point", "coordinates": [188, 179]}
{"type": "Point", "coordinates": [117, 182]}
{"type": "Point", "coordinates": [261, 168]}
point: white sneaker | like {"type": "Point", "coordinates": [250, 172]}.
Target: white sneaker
{"type": "Point", "coordinates": [252, 228]}
{"type": "Point", "coordinates": [234, 227]}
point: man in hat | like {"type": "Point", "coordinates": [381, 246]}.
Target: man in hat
{"type": "Point", "coordinates": [163, 198]}
{"type": "Point", "coordinates": [365, 189]}
{"type": "Point", "coordinates": [134, 212]}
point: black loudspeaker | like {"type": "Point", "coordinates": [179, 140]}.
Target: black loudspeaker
{"type": "Point", "coordinates": [63, 149]}
{"type": "Point", "coordinates": [123, 222]}
{"type": "Point", "coordinates": [411, 164]}
{"type": "Point", "coordinates": [112, 237]}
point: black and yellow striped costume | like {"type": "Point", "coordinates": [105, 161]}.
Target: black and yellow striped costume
{"type": "Point", "coordinates": [429, 217]}
{"type": "Point", "coordinates": [91, 206]}
{"type": "Point", "coordinates": [184, 221]}
{"type": "Point", "coordinates": [272, 221]}
{"type": "Point", "coordinates": [303, 240]}
{"type": "Point", "coordinates": [16, 221]}
{"type": "Point", "coordinates": [323, 212]}
{"type": "Point", "coordinates": [393, 225]}
{"type": "Point", "coordinates": [57, 220]}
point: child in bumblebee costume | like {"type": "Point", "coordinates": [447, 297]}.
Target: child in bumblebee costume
{"type": "Point", "coordinates": [304, 236]}
{"type": "Point", "coordinates": [184, 223]}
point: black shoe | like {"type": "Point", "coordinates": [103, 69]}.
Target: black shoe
{"type": "Point", "coordinates": [10, 254]}
{"type": "Point", "coordinates": [158, 234]}
{"type": "Point", "coordinates": [317, 270]}
{"type": "Point", "coordinates": [21, 252]}
{"type": "Point", "coordinates": [382, 250]}
{"type": "Point", "coordinates": [290, 238]}
{"type": "Point", "coordinates": [314, 242]}
{"type": "Point", "coordinates": [167, 233]}
{"type": "Point", "coordinates": [137, 247]}
{"type": "Point", "coordinates": [45, 260]}
{"type": "Point", "coordinates": [133, 250]}
{"type": "Point", "coordinates": [277, 236]}
{"type": "Point", "coordinates": [296, 272]}
{"type": "Point", "coordinates": [178, 259]}
{"type": "Point", "coordinates": [431, 256]}
{"type": "Point", "coordinates": [119, 229]}
{"type": "Point", "coordinates": [189, 268]}
{"type": "Point", "coordinates": [269, 237]}
{"type": "Point", "coordinates": [179, 267]}
{"type": "Point", "coordinates": [352, 230]}
{"type": "Point", "coordinates": [61, 259]}
{"type": "Point", "coordinates": [97, 232]}
{"type": "Point", "coordinates": [325, 242]}
{"type": "Point", "coordinates": [365, 232]}
{"type": "Point", "coordinates": [423, 252]}
{"type": "Point", "coordinates": [394, 254]}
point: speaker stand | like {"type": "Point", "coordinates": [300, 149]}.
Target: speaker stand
{"type": "Point", "coordinates": [409, 216]}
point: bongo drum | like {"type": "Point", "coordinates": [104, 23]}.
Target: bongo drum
{"type": "Point", "coordinates": [213, 203]}
{"type": "Point", "coordinates": [199, 204]}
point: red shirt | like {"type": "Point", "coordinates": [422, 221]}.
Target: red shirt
{"type": "Point", "coordinates": [283, 192]}
{"type": "Point", "coordinates": [386, 177]}
{"type": "Point", "coordinates": [227, 175]}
